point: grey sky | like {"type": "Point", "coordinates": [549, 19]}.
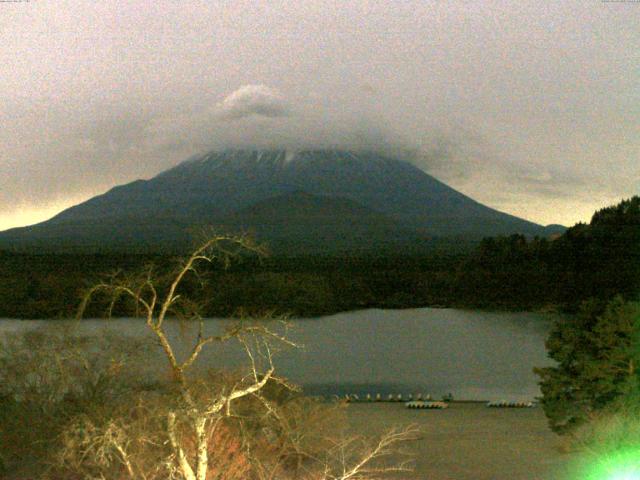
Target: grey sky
{"type": "Point", "coordinates": [530, 107]}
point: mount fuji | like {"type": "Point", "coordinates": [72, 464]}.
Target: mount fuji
{"type": "Point", "coordinates": [295, 201]}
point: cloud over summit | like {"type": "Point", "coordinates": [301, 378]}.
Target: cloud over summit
{"type": "Point", "coordinates": [250, 100]}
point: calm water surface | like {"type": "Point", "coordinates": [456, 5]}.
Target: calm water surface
{"type": "Point", "coordinates": [473, 355]}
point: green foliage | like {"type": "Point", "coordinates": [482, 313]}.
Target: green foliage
{"type": "Point", "coordinates": [615, 428]}
{"type": "Point", "coordinates": [608, 446]}
{"type": "Point", "coordinates": [597, 353]}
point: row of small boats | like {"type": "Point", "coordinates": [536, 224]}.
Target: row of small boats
{"type": "Point", "coordinates": [507, 404]}
{"type": "Point", "coordinates": [352, 397]}
{"type": "Point", "coordinates": [430, 405]}
{"type": "Point", "coordinates": [421, 401]}
{"type": "Point", "coordinates": [441, 405]}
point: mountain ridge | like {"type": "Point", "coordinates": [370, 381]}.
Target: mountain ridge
{"type": "Point", "coordinates": [220, 188]}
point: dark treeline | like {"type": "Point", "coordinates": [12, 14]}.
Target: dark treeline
{"type": "Point", "coordinates": [596, 260]}
{"type": "Point", "coordinates": [51, 285]}
{"type": "Point", "coordinates": [599, 259]}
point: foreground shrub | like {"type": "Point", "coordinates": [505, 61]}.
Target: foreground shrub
{"type": "Point", "coordinates": [76, 407]}
{"type": "Point", "coordinates": [597, 353]}
{"type": "Point", "coordinates": [48, 376]}
{"type": "Point", "coordinates": [609, 445]}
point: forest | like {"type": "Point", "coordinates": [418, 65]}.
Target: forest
{"type": "Point", "coordinates": [599, 259]}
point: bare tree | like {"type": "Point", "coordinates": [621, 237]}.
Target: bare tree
{"type": "Point", "coordinates": [200, 414]}
{"type": "Point", "coordinates": [350, 458]}
{"type": "Point", "coordinates": [361, 459]}
{"type": "Point", "coordinates": [156, 306]}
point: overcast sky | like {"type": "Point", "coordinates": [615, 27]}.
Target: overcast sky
{"type": "Point", "coordinates": [532, 108]}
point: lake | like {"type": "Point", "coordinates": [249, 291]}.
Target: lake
{"type": "Point", "coordinates": [473, 355]}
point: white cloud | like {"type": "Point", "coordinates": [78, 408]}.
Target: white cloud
{"type": "Point", "coordinates": [250, 100]}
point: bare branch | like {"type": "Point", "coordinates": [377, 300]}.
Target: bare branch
{"type": "Point", "coordinates": [235, 394]}
{"type": "Point", "coordinates": [195, 352]}
{"type": "Point", "coordinates": [364, 465]}
{"type": "Point", "coordinates": [187, 471]}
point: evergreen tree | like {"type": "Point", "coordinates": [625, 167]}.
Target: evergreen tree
{"type": "Point", "coordinates": [600, 259]}
{"type": "Point", "coordinates": [597, 353]}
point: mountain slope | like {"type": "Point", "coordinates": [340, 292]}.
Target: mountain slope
{"type": "Point", "coordinates": [283, 196]}
{"type": "Point", "coordinates": [302, 222]}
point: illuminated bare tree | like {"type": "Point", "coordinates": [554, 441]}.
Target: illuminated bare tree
{"type": "Point", "coordinates": [353, 458]}
{"type": "Point", "coordinates": [192, 425]}
{"type": "Point", "coordinates": [156, 306]}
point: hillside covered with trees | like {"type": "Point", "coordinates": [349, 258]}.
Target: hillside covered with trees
{"type": "Point", "coordinates": [595, 260]}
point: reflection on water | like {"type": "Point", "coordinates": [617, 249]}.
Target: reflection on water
{"type": "Point", "coordinates": [474, 355]}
